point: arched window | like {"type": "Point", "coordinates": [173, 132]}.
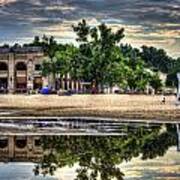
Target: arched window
{"type": "Point", "coordinates": [3, 66]}
{"type": "Point", "coordinates": [37, 67]}
{"type": "Point", "coordinates": [21, 66]}
{"type": "Point", "coordinates": [37, 142]}
{"type": "Point", "coordinates": [21, 142]}
{"type": "Point", "coordinates": [3, 143]}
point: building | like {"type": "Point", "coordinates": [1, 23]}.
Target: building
{"type": "Point", "coordinates": [20, 149]}
{"type": "Point", "coordinates": [20, 70]}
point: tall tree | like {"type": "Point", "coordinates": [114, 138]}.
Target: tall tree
{"type": "Point", "coordinates": [137, 74]}
{"type": "Point", "coordinates": [64, 58]}
{"type": "Point", "coordinates": [172, 75]}
{"type": "Point", "coordinates": [157, 59]}
{"type": "Point", "coordinates": [50, 48]}
{"type": "Point", "coordinates": [95, 51]}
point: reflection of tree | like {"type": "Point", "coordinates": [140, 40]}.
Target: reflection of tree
{"type": "Point", "coordinates": [158, 145]}
{"type": "Point", "coordinates": [98, 157]}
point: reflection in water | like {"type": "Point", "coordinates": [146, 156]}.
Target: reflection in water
{"type": "Point", "coordinates": [99, 157]}
{"type": "Point", "coordinates": [70, 126]}
{"type": "Point", "coordinates": [94, 157]}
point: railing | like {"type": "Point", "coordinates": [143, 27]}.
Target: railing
{"type": "Point", "coordinates": [3, 73]}
{"type": "Point", "coordinates": [21, 73]}
{"type": "Point", "coordinates": [21, 90]}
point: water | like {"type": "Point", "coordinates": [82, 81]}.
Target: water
{"type": "Point", "coordinates": [110, 149]}
{"type": "Point", "coordinates": [69, 126]}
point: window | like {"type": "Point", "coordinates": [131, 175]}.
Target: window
{"type": "Point", "coordinates": [3, 66]}
{"type": "Point", "coordinates": [37, 67]}
{"type": "Point", "coordinates": [21, 142]}
{"type": "Point", "coordinates": [21, 66]}
{"type": "Point", "coordinates": [3, 143]}
{"type": "Point", "coordinates": [37, 142]}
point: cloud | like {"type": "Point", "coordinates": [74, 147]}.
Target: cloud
{"type": "Point", "coordinates": [4, 2]}
{"type": "Point", "coordinates": [148, 21]}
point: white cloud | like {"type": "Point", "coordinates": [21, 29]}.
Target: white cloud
{"type": "Point", "coordinates": [4, 2]}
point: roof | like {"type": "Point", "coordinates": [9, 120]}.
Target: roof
{"type": "Point", "coordinates": [28, 49]}
{"type": "Point", "coordinates": [4, 50]}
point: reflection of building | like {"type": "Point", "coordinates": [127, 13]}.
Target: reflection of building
{"type": "Point", "coordinates": [20, 69]}
{"type": "Point", "coordinates": [20, 148]}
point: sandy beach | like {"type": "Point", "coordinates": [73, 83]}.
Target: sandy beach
{"type": "Point", "coordinates": [115, 106]}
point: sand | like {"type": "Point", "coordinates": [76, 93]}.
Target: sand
{"type": "Point", "coordinates": [117, 106]}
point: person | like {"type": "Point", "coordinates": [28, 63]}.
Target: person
{"type": "Point", "coordinates": [163, 99]}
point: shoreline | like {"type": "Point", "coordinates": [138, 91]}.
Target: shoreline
{"type": "Point", "coordinates": [116, 120]}
{"type": "Point", "coordinates": [148, 115]}
{"type": "Point", "coordinates": [131, 107]}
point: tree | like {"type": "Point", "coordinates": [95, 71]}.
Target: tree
{"type": "Point", "coordinates": [172, 80]}
{"type": "Point", "coordinates": [50, 48]}
{"type": "Point", "coordinates": [157, 59]}
{"type": "Point", "coordinates": [36, 41]}
{"type": "Point", "coordinates": [137, 74]}
{"type": "Point", "coordinates": [64, 58]}
{"type": "Point", "coordinates": [156, 82]}
{"type": "Point", "coordinates": [95, 52]}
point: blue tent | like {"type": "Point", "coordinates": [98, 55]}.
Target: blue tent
{"type": "Point", "coordinates": [45, 90]}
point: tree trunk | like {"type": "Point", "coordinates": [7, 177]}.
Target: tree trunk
{"type": "Point", "coordinates": [53, 81]}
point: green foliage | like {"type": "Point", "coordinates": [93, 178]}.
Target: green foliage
{"type": "Point", "coordinates": [156, 82]}
{"type": "Point", "coordinates": [58, 62]}
{"type": "Point", "coordinates": [137, 76]}
{"type": "Point", "coordinates": [99, 60]}
{"type": "Point", "coordinates": [64, 59]}
{"type": "Point", "coordinates": [82, 31]}
{"type": "Point", "coordinates": [96, 52]}
{"type": "Point", "coordinates": [172, 80]}
{"type": "Point", "coordinates": [172, 76]}
{"type": "Point", "coordinates": [157, 59]}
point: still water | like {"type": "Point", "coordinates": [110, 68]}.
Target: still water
{"type": "Point", "coordinates": [110, 150]}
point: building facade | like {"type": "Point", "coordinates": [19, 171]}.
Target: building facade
{"type": "Point", "coordinates": [20, 70]}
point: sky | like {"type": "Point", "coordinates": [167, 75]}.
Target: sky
{"type": "Point", "coordinates": [146, 22]}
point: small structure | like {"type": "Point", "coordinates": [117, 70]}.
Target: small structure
{"type": "Point", "coordinates": [86, 87]}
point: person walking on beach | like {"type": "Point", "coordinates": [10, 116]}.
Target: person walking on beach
{"type": "Point", "coordinates": [163, 101]}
